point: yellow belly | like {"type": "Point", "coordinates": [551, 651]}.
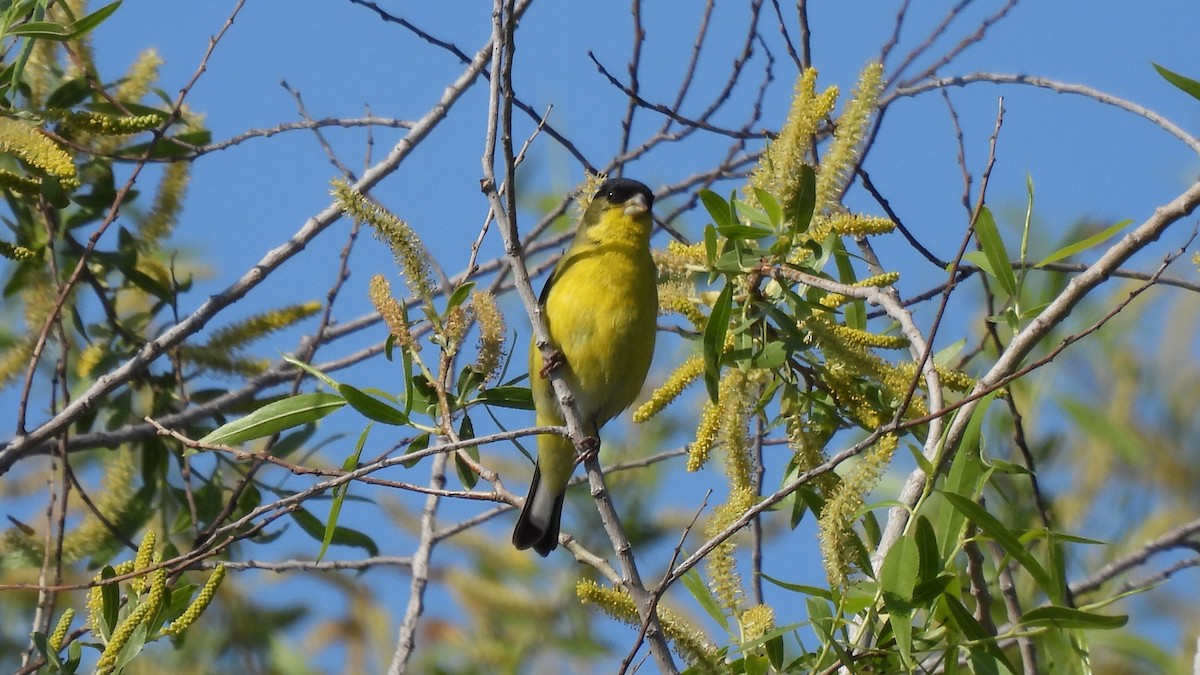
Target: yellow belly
{"type": "Point", "coordinates": [601, 311]}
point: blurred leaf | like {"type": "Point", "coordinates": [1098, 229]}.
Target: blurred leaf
{"type": "Point", "coordinates": [1084, 244]}
{"type": "Point", "coordinates": [343, 536]}
{"type": "Point", "coordinates": [1067, 617]}
{"type": "Point", "coordinates": [275, 417]}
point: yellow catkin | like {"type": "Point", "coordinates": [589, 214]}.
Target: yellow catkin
{"type": "Point", "coordinates": [756, 622]}
{"type": "Point", "coordinates": [74, 122]}
{"type": "Point", "coordinates": [777, 171]}
{"type": "Point", "coordinates": [708, 431]}
{"type": "Point", "coordinates": [406, 246]}
{"type": "Point", "coordinates": [861, 338]}
{"type": "Point", "coordinates": [107, 662]}
{"type": "Point", "coordinates": [677, 297]}
{"type": "Point", "coordinates": [720, 565]}
{"type": "Point", "coordinates": [145, 554]}
{"type": "Point", "coordinates": [394, 316]}
{"type": "Point", "coordinates": [856, 225]}
{"type": "Point", "coordinates": [688, 642]}
{"type": "Point", "coordinates": [193, 612]}
{"type": "Point", "coordinates": [260, 325]}
{"type": "Point", "coordinates": [168, 201]}
{"type": "Point", "coordinates": [836, 523]}
{"type": "Point", "coordinates": [454, 328]}
{"type": "Point", "coordinates": [30, 145]}
{"type": "Point", "coordinates": [60, 630]}
{"type": "Point", "coordinates": [141, 76]}
{"type": "Point", "coordinates": [492, 330]}
{"type": "Point", "coordinates": [688, 372]}
{"type": "Point", "coordinates": [19, 184]}
{"type": "Point", "coordinates": [851, 130]}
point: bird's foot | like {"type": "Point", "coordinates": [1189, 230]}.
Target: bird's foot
{"type": "Point", "coordinates": [589, 449]}
{"type": "Point", "coordinates": [553, 361]}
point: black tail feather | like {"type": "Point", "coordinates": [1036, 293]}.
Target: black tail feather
{"type": "Point", "coordinates": [528, 535]}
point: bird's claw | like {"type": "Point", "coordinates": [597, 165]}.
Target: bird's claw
{"type": "Point", "coordinates": [553, 361]}
{"type": "Point", "coordinates": [589, 449]}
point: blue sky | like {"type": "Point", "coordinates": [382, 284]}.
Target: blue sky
{"type": "Point", "coordinates": [1086, 160]}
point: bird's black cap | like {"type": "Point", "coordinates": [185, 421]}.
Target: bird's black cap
{"type": "Point", "coordinates": [619, 190]}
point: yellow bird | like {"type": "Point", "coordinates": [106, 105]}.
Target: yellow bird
{"type": "Point", "coordinates": [601, 306]}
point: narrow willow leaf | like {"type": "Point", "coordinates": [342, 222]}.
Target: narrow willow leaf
{"type": "Point", "coordinates": [993, 247]}
{"type": "Point", "coordinates": [339, 494]}
{"type": "Point", "coordinates": [311, 370]}
{"type": "Point", "coordinates": [995, 529]}
{"type": "Point", "coordinates": [343, 536]}
{"type": "Point", "coordinates": [704, 597]}
{"type": "Point", "coordinates": [714, 340]}
{"type": "Point", "coordinates": [1084, 244]}
{"type": "Point", "coordinates": [1187, 84]}
{"type": "Point", "coordinates": [87, 23]}
{"type": "Point", "coordinates": [798, 212]}
{"type": "Point", "coordinates": [1066, 617]}
{"type": "Point", "coordinates": [517, 398]}
{"type": "Point", "coordinates": [371, 407]}
{"type": "Point", "coordinates": [275, 417]}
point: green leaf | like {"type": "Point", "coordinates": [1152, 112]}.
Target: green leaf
{"type": "Point", "coordinates": [87, 23]}
{"type": "Point", "coordinates": [275, 417]}
{"type": "Point", "coordinates": [1188, 85]}
{"type": "Point", "coordinates": [339, 494]}
{"type": "Point", "coordinates": [517, 398]}
{"type": "Point", "coordinates": [459, 296]}
{"type": "Point", "coordinates": [466, 474]}
{"type": "Point", "coordinates": [714, 340]}
{"type": "Point", "coordinates": [980, 260]}
{"type": "Point", "coordinates": [897, 579]}
{"type": "Point", "coordinates": [901, 567]}
{"type": "Point", "coordinates": [371, 407]}
{"type": "Point", "coordinates": [1084, 244]}
{"type": "Point", "coordinates": [770, 206]}
{"type": "Point", "coordinates": [1066, 617]}
{"type": "Point", "coordinates": [311, 370]}
{"type": "Point", "coordinates": [927, 550]}
{"type": "Point", "coordinates": [343, 536]}
{"type": "Point", "coordinates": [42, 30]}
{"type": "Point", "coordinates": [704, 597]}
{"type": "Point", "coordinates": [985, 655]}
{"type": "Point", "coordinates": [993, 247]}
{"type": "Point", "coordinates": [744, 232]}
{"type": "Point", "coordinates": [110, 602]}
{"type": "Point", "coordinates": [717, 207]}
{"type": "Point", "coordinates": [775, 651]}
{"type": "Point", "coordinates": [798, 212]}
{"type": "Point", "coordinates": [993, 528]}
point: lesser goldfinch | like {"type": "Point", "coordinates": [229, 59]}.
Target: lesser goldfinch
{"type": "Point", "coordinates": [600, 305]}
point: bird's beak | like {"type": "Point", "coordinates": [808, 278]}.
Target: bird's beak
{"type": "Point", "coordinates": [636, 205]}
